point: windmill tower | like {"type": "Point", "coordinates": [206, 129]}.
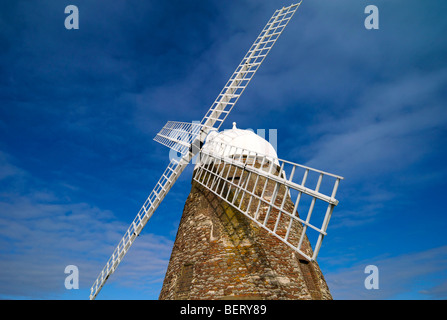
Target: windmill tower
{"type": "Point", "coordinates": [253, 224]}
{"type": "Point", "coordinates": [219, 252]}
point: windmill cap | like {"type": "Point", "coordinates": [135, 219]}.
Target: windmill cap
{"type": "Point", "coordinates": [239, 138]}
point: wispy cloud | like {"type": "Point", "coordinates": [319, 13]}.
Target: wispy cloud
{"type": "Point", "coordinates": [6, 168]}
{"type": "Point", "coordinates": [382, 144]}
{"type": "Point", "coordinates": [388, 130]}
{"type": "Point", "coordinates": [79, 110]}
{"type": "Point", "coordinates": [41, 233]}
{"type": "Point", "coordinates": [400, 276]}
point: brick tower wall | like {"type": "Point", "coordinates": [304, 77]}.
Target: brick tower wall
{"type": "Point", "coordinates": [221, 254]}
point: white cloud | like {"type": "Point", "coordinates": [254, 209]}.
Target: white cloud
{"type": "Point", "coordinates": [381, 145]}
{"type": "Point", "coordinates": [387, 131]}
{"type": "Point", "coordinates": [6, 168]}
{"type": "Point", "coordinates": [416, 275]}
{"type": "Point", "coordinates": [41, 234]}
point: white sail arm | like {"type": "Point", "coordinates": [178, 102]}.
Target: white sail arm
{"type": "Point", "coordinates": [262, 188]}
{"type": "Point", "coordinates": [179, 136]}
{"type": "Point", "coordinates": [168, 178]}
{"type": "Point", "coordinates": [247, 68]}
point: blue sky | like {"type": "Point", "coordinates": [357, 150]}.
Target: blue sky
{"type": "Point", "coordinates": [79, 110]}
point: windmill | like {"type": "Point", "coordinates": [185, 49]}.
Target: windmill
{"type": "Point", "coordinates": [255, 183]}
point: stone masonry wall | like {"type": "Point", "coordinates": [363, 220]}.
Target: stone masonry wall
{"type": "Point", "coordinates": [221, 254]}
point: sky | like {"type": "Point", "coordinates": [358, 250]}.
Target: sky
{"type": "Point", "coordinates": [79, 110]}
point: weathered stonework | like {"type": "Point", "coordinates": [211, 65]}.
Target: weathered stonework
{"type": "Point", "coordinates": [221, 254]}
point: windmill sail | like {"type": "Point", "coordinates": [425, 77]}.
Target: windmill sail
{"type": "Point", "coordinates": [168, 178]}
{"type": "Point", "coordinates": [239, 80]}
{"type": "Point", "coordinates": [261, 187]}
{"type": "Point", "coordinates": [181, 137]}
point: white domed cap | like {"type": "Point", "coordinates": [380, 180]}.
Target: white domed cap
{"type": "Point", "coordinates": [238, 138]}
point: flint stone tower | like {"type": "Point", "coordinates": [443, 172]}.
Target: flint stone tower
{"type": "Point", "coordinates": [219, 253]}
